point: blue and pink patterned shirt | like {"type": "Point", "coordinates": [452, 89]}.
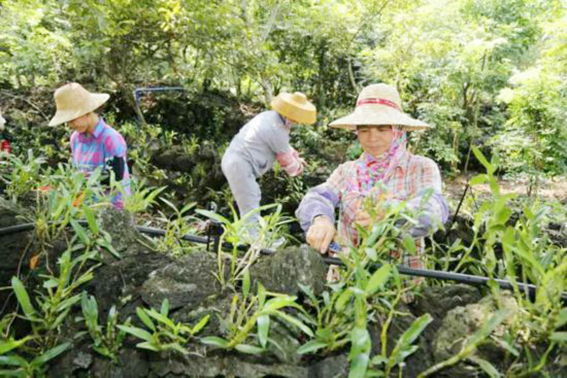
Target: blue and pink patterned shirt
{"type": "Point", "coordinates": [90, 151]}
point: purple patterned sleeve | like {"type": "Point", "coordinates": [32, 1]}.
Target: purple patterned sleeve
{"type": "Point", "coordinates": [429, 203]}
{"type": "Point", "coordinates": [432, 210]}
{"type": "Point", "coordinates": [318, 201]}
{"type": "Point", "coordinates": [321, 200]}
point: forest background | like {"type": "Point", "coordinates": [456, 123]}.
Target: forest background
{"type": "Point", "coordinates": [484, 73]}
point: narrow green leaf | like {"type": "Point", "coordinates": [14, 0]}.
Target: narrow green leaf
{"type": "Point", "coordinates": [371, 253]}
{"type": "Point", "coordinates": [343, 299]}
{"type": "Point", "coordinates": [307, 291]}
{"type": "Point", "coordinates": [12, 373]}
{"type": "Point", "coordinates": [379, 360]}
{"type": "Point", "coordinates": [409, 244]}
{"type": "Point", "coordinates": [263, 322]}
{"type": "Point", "coordinates": [486, 366]}
{"type": "Point", "coordinates": [6, 346]}
{"type": "Point", "coordinates": [214, 216]}
{"type": "Point", "coordinates": [137, 332]}
{"type": "Point", "coordinates": [165, 307]}
{"type": "Point", "coordinates": [249, 349]}
{"type": "Point", "coordinates": [261, 295]}
{"type": "Point", "coordinates": [13, 361]}
{"type": "Point", "coordinates": [176, 347]}
{"type": "Point", "coordinates": [415, 330]}
{"type": "Point", "coordinates": [378, 279]}
{"type": "Point", "coordinates": [199, 326]}
{"type": "Point", "coordinates": [246, 283]}
{"type": "Point", "coordinates": [479, 155]}
{"type": "Point", "coordinates": [559, 337]}
{"type": "Point", "coordinates": [311, 346]}
{"type": "Point", "coordinates": [147, 345]}
{"type": "Point", "coordinates": [403, 346]}
{"type": "Point", "coordinates": [561, 318]}
{"type": "Point", "coordinates": [91, 220]}
{"type": "Point", "coordinates": [108, 246]}
{"type": "Point", "coordinates": [80, 232]}
{"type": "Point", "coordinates": [296, 322]}
{"type": "Point", "coordinates": [215, 341]}
{"type": "Point", "coordinates": [50, 354]}
{"type": "Point", "coordinates": [479, 179]}
{"type": "Point", "coordinates": [145, 318]}
{"type": "Point", "coordinates": [279, 302]}
{"type": "Point", "coordinates": [160, 318]}
{"type": "Point", "coordinates": [358, 366]}
{"type": "Point", "coordinates": [23, 297]}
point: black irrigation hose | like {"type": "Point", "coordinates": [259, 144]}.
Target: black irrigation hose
{"type": "Point", "coordinates": [446, 276]}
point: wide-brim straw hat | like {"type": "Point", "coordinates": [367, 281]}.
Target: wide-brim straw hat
{"type": "Point", "coordinates": [74, 101]}
{"type": "Point", "coordinates": [295, 107]}
{"type": "Point", "coordinates": [379, 104]}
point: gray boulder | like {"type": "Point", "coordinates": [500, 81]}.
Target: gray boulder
{"type": "Point", "coordinates": [185, 282]}
{"type": "Point", "coordinates": [286, 269]}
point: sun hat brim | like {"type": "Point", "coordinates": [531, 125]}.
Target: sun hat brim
{"type": "Point", "coordinates": [285, 105]}
{"type": "Point", "coordinates": [379, 115]}
{"type": "Point", "coordinates": [93, 102]}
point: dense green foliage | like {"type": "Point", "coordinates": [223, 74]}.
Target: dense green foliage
{"type": "Point", "coordinates": [486, 73]}
{"type": "Point", "coordinates": [483, 72]}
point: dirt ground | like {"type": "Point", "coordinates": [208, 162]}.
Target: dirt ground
{"type": "Point", "coordinates": [549, 189]}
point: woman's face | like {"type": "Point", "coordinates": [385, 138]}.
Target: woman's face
{"type": "Point", "coordinates": [375, 140]}
{"type": "Point", "coordinates": [81, 124]}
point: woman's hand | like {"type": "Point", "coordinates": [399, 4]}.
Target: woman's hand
{"type": "Point", "coordinates": [321, 234]}
{"type": "Point", "coordinates": [363, 219]}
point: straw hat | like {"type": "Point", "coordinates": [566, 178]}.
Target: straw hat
{"type": "Point", "coordinates": [379, 104]}
{"type": "Point", "coordinates": [295, 107]}
{"type": "Point", "coordinates": [74, 101]}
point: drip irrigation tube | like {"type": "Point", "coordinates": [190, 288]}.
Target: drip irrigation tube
{"type": "Point", "coordinates": [441, 275]}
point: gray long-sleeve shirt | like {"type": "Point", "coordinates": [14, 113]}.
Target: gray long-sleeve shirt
{"type": "Point", "coordinates": [260, 140]}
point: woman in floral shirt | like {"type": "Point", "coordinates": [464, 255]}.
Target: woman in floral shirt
{"type": "Point", "coordinates": [386, 173]}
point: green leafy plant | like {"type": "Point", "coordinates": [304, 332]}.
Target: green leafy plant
{"type": "Point", "coordinates": [93, 238]}
{"type": "Point", "coordinates": [34, 368]}
{"type": "Point", "coordinates": [243, 231]}
{"type": "Point", "coordinates": [250, 311]}
{"type": "Point", "coordinates": [520, 252]}
{"type": "Point", "coordinates": [105, 342]}
{"type": "Point", "coordinates": [164, 334]}
{"type": "Point", "coordinates": [333, 319]}
{"type": "Point", "coordinates": [21, 176]}
{"type": "Point", "coordinates": [404, 348]}
{"type": "Point", "coordinates": [141, 197]}
{"type": "Point", "coordinates": [176, 225]}
{"type": "Point", "coordinates": [55, 303]}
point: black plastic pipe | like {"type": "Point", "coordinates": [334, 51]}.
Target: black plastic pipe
{"type": "Point", "coordinates": [441, 275]}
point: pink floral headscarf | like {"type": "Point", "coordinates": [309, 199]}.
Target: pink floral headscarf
{"type": "Point", "coordinates": [370, 170]}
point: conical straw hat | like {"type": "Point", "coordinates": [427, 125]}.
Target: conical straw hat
{"type": "Point", "coordinates": [73, 101]}
{"type": "Point", "coordinates": [295, 107]}
{"type": "Point", "coordinates": [379, 104]}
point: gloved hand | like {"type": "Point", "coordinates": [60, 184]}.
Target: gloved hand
{"type": "Point", "coordinates": [321, 234]}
